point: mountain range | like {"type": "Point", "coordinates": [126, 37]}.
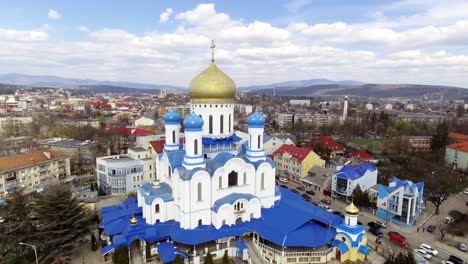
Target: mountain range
{"type": "Point", "coordinates": [312, 87]}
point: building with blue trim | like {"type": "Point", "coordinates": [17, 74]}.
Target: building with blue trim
{"type": "Point", "coordinates": [400, 202]}
{"type": "Point", "coordinates": [212, 196]}
{"type": "Point", "coordinates": [349, 177]}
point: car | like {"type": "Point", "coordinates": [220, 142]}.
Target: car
{"type": "Point", "coordinates": [465, 191]}
{"type": "Point", "coordinates": [423, 253]}
{"type": "Point", "coordinates": [456, 260]}
{"type": "Point", "coordinates": [325, 207]}
{"type": "Point", "coordinates": [310, 192]}
{"type": "Point", "coordinates": [429, 249]}
{"type": "Point", "coordinates": [449, 220]}
{"type": "Point", "coordinates": [431, 228]}
{"type": "Point", "coordinates": [301, 188]}
{"type": "Point", "coordinates": [306, 197]}
{"type": "Point", "coordinates": [326, 201]}
{"type": "Point", "coordinates": [373, 225]}
{"type": "Point", "coordinates": [447, 262]}
{"type": "Point", "coordinates": [381, 224]}
{"type": "Point", "coordinates": [295, 191]}
{"type": "Point", "coordinates": [395, 233]}
{"type": "Point", "coordinates": [399, 240]}
{"type": "Point", "coordinates": [283, 180]}
{"type": "Point", "coordinates": [462, 246]}
{"type": "Point", "coordinates": [359, 223]}
{"type": "Point", "coordinates": [375, 232]}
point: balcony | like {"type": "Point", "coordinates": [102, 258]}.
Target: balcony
{"type": "Point", "coordinates": [11, 185]}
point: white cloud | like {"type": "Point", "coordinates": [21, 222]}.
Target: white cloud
{"type": "Point", "coordinates": [22, 35]}
{"type": "Point", "coordinates": [164, 16]}
{"type": "Point", "coordinates": [54, 14]}
{"type": "Point", "coordinates": [83, 29]}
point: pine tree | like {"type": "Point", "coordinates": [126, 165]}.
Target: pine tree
{"type": "Point", "coordinates": [409, 258]}
{"type": "Point", "coordinates": [208, 259]}
{"type": "Point", "coordinates": [61, 221]}
{"type": "Point", "coordinates": [440, 137]}
{"type": "Point", "coordinates": [120, 255]}
{"type": "Point", "coordinates": [225, 257]}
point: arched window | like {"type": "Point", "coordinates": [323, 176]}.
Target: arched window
{"type": "Point", "coordinates": [157, 221]}
{"type": "Point", "coordinates": [173, 137]}
{"type": "Point", "coordinates": [232, 179]}
{"type": "Point", "coordinates": [156, 208]}
{"type": "Point", "coordinates": [195, 146]}
{"type": "Point", "coordinates": [169, 171]}
{"type": "Point", "coordinates": [242, 205]}
{"type": "Point", "coordinates": [229, 123]}
{"type": "Point", "coordinates": [210, 124]}
{"type": "Point", "coordinates": [199, 192]}
{"type": "Point", "coordinates": [258, 142]}
{"type": "Point", "coordinates": [224, 222]}
{"type": "Point", "coordinates": [235, 207]}
{"type": "Point", "coordinates": [245, 178]}
{"type": "Point", "coordinates": [262, 181]}
{"type": "Point", "coordinates": [200, 222]}
{"type": "Point", "coordinates": [221, 124]}
{"type": "Point", "coordinates": [220, 182]}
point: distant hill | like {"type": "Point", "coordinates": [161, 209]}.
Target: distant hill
{"type": "Point", "coordinates": [80, 89]}
{"type": "Point", "coordinates": [301, 83]}
{"type": "Point", "coordinates": [54, 81]}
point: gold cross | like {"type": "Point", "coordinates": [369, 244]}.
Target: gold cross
{"type": "Point", "coordinates": [212, 50]}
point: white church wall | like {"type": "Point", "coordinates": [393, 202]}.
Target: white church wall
{"type": "Point", "coordinates": [216, 110]}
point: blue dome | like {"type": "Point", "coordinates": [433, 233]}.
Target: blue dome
{"type": "Point", "coordinates": [193, 122]}
{"type": "Point", "coordinates": [256, 120]}
{"type": "Point", "coordinates": [172, 117]}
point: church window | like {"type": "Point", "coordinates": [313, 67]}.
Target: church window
{"type": "Point", "coordinates": [210, 124]}
{"type": "Point", "coordinates": [195, 146]}
{"type": "Point", "coordinates": [251, 216]}
{"type": "Point", "coordinates": [200, 222]}
{"type": "Point", "coordinates": [235, 207]}
{"type": "Point", "coordinates": [169, 171]}
{"type": "Point", "coordinates": [250, 141]}
{"type": "Point", "coordinates": [344, 239]}
{"type": "Point", "coordinates": [224, 222]}
{"type": "Point", "coordinates": [258, 142]}
{"type": "Point", "coordinates": [157, 221]}
{"type": "Point", "coordinates": [245, 178]}
{"type": "Point", "coordinates": [262, 180]}
{"type": "Point", "coordinates": [221, 121]}
{"type": "Point", "coordinates": [199, 192]}
{"type": "Point", "coordinates": [229, 123]}
{"type": "Point", "coordinates": [173, 137]}
{"type": "Point", "coordinates": [232, 179]}
{"type": "Point", "coordinates": [220, 182]}
{"type": "Point", "coordinates": [156, 208]}
{"type": "Point", "coordinates": [242, 205]}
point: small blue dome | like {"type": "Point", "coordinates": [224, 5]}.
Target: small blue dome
{"type": "Point", "coordinates": [256, 120]}
{"type": "Point", "coordinates": [193, 122]}
{"type": "Point", "coordinates": [172, 117]}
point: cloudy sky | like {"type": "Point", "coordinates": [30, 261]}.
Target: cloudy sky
{"type": "Point", "coordinates": [257, 42]}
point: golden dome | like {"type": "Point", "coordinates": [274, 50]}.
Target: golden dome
{"type": "Point", "coordinates": [351, 209]}
{"type": "Point", "coordinates": [212, 86]}
{"type": "Point", "coordinates": [133, 221]}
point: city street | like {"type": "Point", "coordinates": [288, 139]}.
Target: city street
{"type": "Point", "coordinates": [413, 237]}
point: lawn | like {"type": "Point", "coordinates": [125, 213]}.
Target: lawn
{"type": "Point", "coordinates": [375, 145]}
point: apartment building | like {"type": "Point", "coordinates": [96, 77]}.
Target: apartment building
{"type": "Point", "coordinates": [295, 162]}
{"type": "Point", "coordinates": [121, 174]}
{"type": "Point", "coordinates": [318, 120]}
{"type": "Point", "coordinates": [349, 177]}
{"type": "Point", "coordinates": [299, 102]}
{"type": "Point", "coordinates": [285, 119]}
{"type": "Point", "coordinates": [32, 169]}
{"type": "Point", "coordinates": [420, 143]}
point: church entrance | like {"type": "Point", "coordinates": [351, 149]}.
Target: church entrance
{"type": "Point", "coordinates": [232, 178]}
{"type": "Point", "coordinates": [338, 254]}
{"type": "Point", "coordinates": [238, 220]}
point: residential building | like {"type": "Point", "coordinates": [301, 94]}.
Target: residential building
{"type": "Point", "coordinates": [244, 109]}
{"type": "Point", "coordinates": [420, 143]}
{"type": "Point", "coordinates": [14, 124]}
{"type": "Point", "coordinates": [295, 162]}
{"type": "Point", "coordinates": [336, 148]}
{"type": "Point", "coordinates": [319, 179]}
{"type": "Point", "coordinates": [300, 102]}
{"type": "Point", "coordinates": [369, 106]}
{"type": "Point", "coordinates": [348, 177]}
{"type": "Point", "coordinates": [272, 143]}
{"type": "Point", "coordinates": [318, 120]}
{"type": "Point", "coordinates": [285, 119]}
{"type": "Point", "coordinates": [32, 169]}
{"type": "Point", "coordinates": [400, 202]}
{"type": "Point", "coordinates": [388, 107]}
{"type": "Point", "coordinates": [96, 123]}
{"type": "Point", "coordinates": [122, 174]}
{"type": "Point", "coordinates": [144, 121]}
{"type": "Point", "coordinates": [364, 156]}
{"type": "Point", "coordinates": [184, 110]}
{"type": "Point", "coordinates": [126, 137]}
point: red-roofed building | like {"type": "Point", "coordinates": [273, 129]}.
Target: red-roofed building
{"type": "Point", "coordinates": [129, 131]}
{"type": "Point", "coordinates": [295, 162]}
{"type": "Point", "coordinates": [126, 138]}
{"type": "Point", "coordinates": [363, 155]}
{"type": "Point", "coordinates": [456, 154]}
{"type": "Point", "coordinates": [335, 147]}
{"type": "Point", "coordinates": [458, 138]}
{"type": "Point", "coordinates": [158, 145]}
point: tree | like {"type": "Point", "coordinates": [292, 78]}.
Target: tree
{"type": "Point", "coordinates": [208, 258]}
{"type": "Point", "coordinates": [225, 257]}
{"type": "Point", "coordinates": [460, 110]}
{"type": "Point", "coordinates": [61, 221]}
{"type": "Point", "coordinates": [440, 137]}
{"type": "Point", "coordinates": [409, 258]}
{"type": "Point", "coordinates": [120, 255]}
{"type": "Point", "coordinates": [322, 150]}
{"type": "Point", "coordinates": [148, 250]}
{"type": "Point", "coordinates": [94, 245]}
{"type": "Point", "coordinates": [437, 189]}
{"type": "Point", "coordinates": [360, 198]}
{"type": "Point", "coordinates": [178, 260]}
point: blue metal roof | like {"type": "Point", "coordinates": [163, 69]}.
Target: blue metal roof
{"type": "Point", "coordinates": [193, 122]}
{"type": "Point", "coordinates": [225, 140]}
{"type": "Point", "coordinates": [241, 245]}
{"type": "Point", "coordinates": [409, 187]}
{"type": "Point", "coordinates": [231, 199]}
{"type": "Point", "coordinates": [363, 249]}
{"type": "Point", "coordinates": [341, 245]}
{"type": "Point", "coordinates": [175, 157]}
{"type": "Point", "coordinates": [150, 192]}
{"type": "Point", "coordinates": [167, 251]}
{"type": "Point", "coordinates": [256, 120]}
{"type": "Point", "coordinates": [172, 117]}
{"type": "Point", "coordinates": [266, 138]}
{"type": "Point", "coordinates": [354, 172]}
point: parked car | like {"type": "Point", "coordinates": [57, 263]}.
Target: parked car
{"type": "Point", "coordinates": [456, 260]}
{"type": "Point", "coordinates": [399, 240]}
{"type": "Point", "coordinates": [431, 228]}
{"type": "Point", "coordinates": [326, 201]}
{"type": "Point", "coordinates": [462, 246]}
{"type": "Point", "coordinates": [395, 233]}
{"type": "Point", "coordinates": [373, 225]}
{"type": "Point", "coordinates": [429, 249]}
{"type": "Point", "coordinates": [310, 192]}
{"type": "Point", "coordinates": [447, 262]}
{"type": "Point", "coordinates": [375, 232]}
{"type": "Point", "coordinates": [301, 188]}
{"type": "Point", "coordinates": [423, 253]}
{"type": "Point", "coordinates": [325, 207]}
{"type": "Point", "coordinates": [295, 191]}
{"type": "Point", "coordinates": [465, 191]}
{"type": "Point", "coordinates": [381, 224]}
{"type": "Point", "coordinates": [283, 186]}
{"type": "Point", "coordinates": [283, 180]}
{"type": "Point", "coordinates": [306, 197]}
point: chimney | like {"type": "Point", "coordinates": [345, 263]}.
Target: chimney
{"type": "Point", "coordinates": [47, 154]}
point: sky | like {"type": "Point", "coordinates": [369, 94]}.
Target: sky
{"type": "Point", "coordinates": [257, 42]}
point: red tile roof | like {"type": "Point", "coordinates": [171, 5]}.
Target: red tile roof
{"type": "Point", "coordinates": [28, 159]}
{"type": "Point", "coordinates": [459, 146]}
{"type": "Point", "coordinates": [158, 145]}
{"type": "Point", "coordinates": [127, 131]}
{"type": "Point", "coordinates": [458, 137]}
{"type": "Point", "coordinates": [327, 141]}
{"type": "Point", "coordinates": [297, 152]}
{"type": "Point", "coordinates": [362, 154]}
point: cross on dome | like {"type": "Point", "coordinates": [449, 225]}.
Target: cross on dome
{"type": "Point", "coordinates": [212, 47]}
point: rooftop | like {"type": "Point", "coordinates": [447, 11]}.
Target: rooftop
{"type": "Point", "coordinates": [458, 137]}
{"type": "Point", "coordinates": [28, 159]}
{"type": "Point", "coordinates": [355, 172]}
{"type": "Point", "coordinates": [328, 142]}
{"type": "Point", "coordinates": [65, 142]}
{"type": "Point", "coordinates": [296, 152]}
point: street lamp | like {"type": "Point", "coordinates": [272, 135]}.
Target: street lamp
{"type": "Point", "coordinates": [34, 247]}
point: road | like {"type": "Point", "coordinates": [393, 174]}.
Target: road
{"type": "Point", "coordinates": [414, 238]}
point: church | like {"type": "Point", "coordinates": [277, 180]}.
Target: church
{"type": "Point", "coordinates": [214, 196]}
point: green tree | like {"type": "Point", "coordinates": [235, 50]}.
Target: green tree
{"type": "Point", "coordinates": [208, 258]}
{"type": "Point", "coordinates": [94, 244]}
{"type": "Point", "coordinates": [120, 255]}
{"type": "Point", "coordinates": [440, 137]}
{"type": "Point", "coordinates": [178, 260]}
{"type": "Point", "coordinates": [409, 258]}
{"type": "Point", "coordinates": [323, 151]}
{"type": "Point", "coordinates": [61, 221]}
{"type": "Point", "coordinates": [225, 257]}
{"type": "Point", "coordinates": [360, 198]}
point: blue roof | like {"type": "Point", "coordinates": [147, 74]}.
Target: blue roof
{"type": "Point", "coordinates": [107, 249]}
{"type": "Point", "coordinates": [193, 122]}
{"type": "Point", "coordinates": [266, 138]}
{"type": "Point", "coordinates": [408, 186]}
{"type": "Point", "coordinates": [231, 199]}
{"type": "Point", "coordinates": [150, 192]}
{"type": "Point", "coordinates": [363, 249]}
{"type": "Point", "coordinates": [167, 251]}
{"type": "Point", "coordinates": [172, 117]}
{"type": "Point", "coordinates": [175, 157]}
{"type": "Point", "coordinates": [341, 245]}
{"type": "Point", "coordinates": [301, 229]}
{"type": "Point", "coordinates": [225, 140]}
{"type": "Point", "coordinates": [354, 172]}
{"type": "Point", "coordinates": [240, 245]}
{"type": "Point", "coordinates": [218, 162]}
{"type": "Point", "coordinates": [256, 120]}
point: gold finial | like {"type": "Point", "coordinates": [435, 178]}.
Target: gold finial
{"type": "Point", "coordinates": [133, 221]}
{"type": "Point", "coordinates": [212, 47]}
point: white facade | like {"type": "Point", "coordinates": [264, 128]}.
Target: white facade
{"type": "Point", "coordinates": [369, 106]}
{"type": "Point", "coordinates": [274, 143]}
{"type": "Point", "coordinates": [144, 122]}
{"type": "Point", "coordinates": [218, 119]}
{"type": "Point", "coordinates": [285, 119]}
{"type": "Point", "coordinates": [388, 107]}
{"type": "Point", "coordinates": [303, 102]}
{"type": "Point", "coordinates": [346, 180]}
